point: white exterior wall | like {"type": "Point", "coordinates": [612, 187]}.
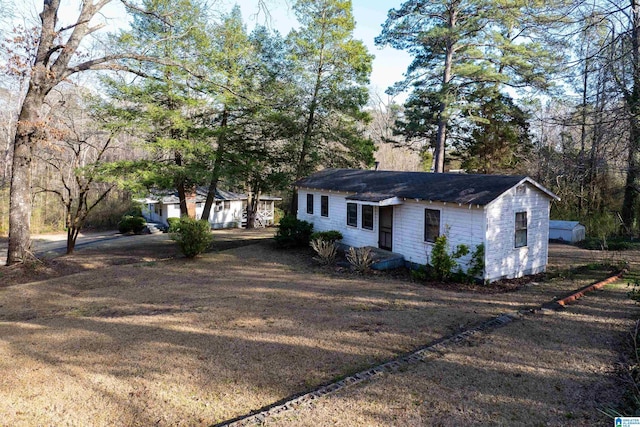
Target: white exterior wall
{"type": "Point", "coordinates": [461, 224]}
{"type": "Point", "coordinates": [170, 211]}
{"type": "Point", "coordinates": [224, 218]}
{"type": "Point", "coordinates": [502, 258]}
{"type": "Point", "coordinates": [337, 218]}
{"type": "Point", "coordinates": [148, 212]}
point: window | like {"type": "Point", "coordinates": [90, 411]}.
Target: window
{"type": "Point", "coordinates": [218, 206]}
{"type": "Point", "coordinates": [352, 214]}
{"type": "Point", "coordinates": [324, 205]}
{"type": "Point", "coordinates": [431, 224]}
{"type": "Point", "coordinates": [227, 205]}
{"type": "Point", "coordinates": [310, 204]}
{"type": "Point", "coordinates": [521, 229]}
{"type": "Point", "coordinates": [367, 217]}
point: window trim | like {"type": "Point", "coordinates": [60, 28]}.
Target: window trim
{"type": "Point", "coordinates": [324, 206]}
{"type": "Point", "coordinates": [354, 223]}
{"type": "Point", "coordinates": [369, 207]}
{"type": "Point", "coordinates": [310, 203]}
{"type": "Point", "coordinates": [426, 223]}
{"type": "Point", "coordinates": [519, 227]}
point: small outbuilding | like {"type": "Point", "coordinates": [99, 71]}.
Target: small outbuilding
{"type": "Point", "coordinates": [404, 212]}
{"type": "Point", "coordinates": [566, 231]}
{"type": "Point", "coordinates": [228, 211]}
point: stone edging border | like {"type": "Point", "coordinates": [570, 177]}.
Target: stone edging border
{"type": "Point", "coordinates": [589, 288]}
{"type": "Point", "coordinates": [422, 354]}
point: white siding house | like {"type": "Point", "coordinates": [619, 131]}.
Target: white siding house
{"type": "Point", "coordinates": [404, 211]}
{"type": "Point", "coordinates": [228, 210]}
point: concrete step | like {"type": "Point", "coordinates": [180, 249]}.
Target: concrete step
{"type": "Point", "coordinates": [386, 260]}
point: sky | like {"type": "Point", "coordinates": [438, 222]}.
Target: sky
{"type": "Point", "coordinates": [388, 66]}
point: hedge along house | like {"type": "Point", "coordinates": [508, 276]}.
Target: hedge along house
{"type": "Point", "coordinates": [404, 212]}
{"type": "Point", "coordinates": [228, 211]}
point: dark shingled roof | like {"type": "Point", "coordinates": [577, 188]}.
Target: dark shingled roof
{"type": "Point", "coordinates": [171, 197]}
{"type": "Point", "coordinates": [442, 187]}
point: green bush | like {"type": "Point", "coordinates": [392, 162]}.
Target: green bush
{"type": "Point", "coordinates": [293, 233]}
{"type": "Point", "coordinates": [278, 214]}
{"type": "Point", "coordinates": [193, 236]}
{"type": "Point", "coordinates": [131, 223]}
{"type": "Point", "coordinates": [327, 236]}
{"type": "Point", "coordinates": [443, 262]}
{"type": "Point", "coordinates": [476, 268]}
{"type": "Point", "coordinates": [613, 243]}
{"type": "Point", "coordinates": [174, 224]}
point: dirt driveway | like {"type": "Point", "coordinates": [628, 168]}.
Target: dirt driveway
{"type": "Point", "coordinates": [179, 342]}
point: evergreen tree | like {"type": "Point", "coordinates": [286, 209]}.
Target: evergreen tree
{"type": "Point", "coordinates": [162, 107]}
{"type": "Point", "coordinates": [460, 44]}
{"type": "Point", "coordinates": [332, 71]}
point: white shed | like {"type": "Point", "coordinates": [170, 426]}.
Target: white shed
{"type": "Point", "coordinates": [566, 231]}
{"type": "Point", "coordinates": [228, 210]}
{"type": "Point", "coordinates": [403, 212]}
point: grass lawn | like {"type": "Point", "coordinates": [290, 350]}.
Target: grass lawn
{"type": "Point", "coordinates": [179, 342]}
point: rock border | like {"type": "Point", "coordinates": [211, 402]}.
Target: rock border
{"type": "Point", "coordinates": [422, 354]}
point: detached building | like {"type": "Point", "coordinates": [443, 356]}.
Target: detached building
{"type": "Point", "coordinates": [229, 209]}
{"type": "Point", "coordinates": [404, 212]}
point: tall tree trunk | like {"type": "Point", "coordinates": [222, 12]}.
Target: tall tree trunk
{"type": "Point", "coordinates": [633, 102]}
{"type": "Point", "coordinates": [20, 190]}
{"type": "Point", "coordinates": [180, 186]}
{"type": "Point", "coordinates": [308, 130]}
{"type": "Point", "coordinates": [217, 167]}
{"type": "Point", "coordinates": [443, 117]}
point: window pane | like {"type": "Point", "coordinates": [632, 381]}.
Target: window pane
{"type": "Point", "coordinates": [431, 224]}
{"type": "Point", "coordinates": [521, 229]}
{"type": "Point", "coordinates": [310, 203]}
{"type": "Point", "coordinates": [324, 205]}
{"type": "Point", "coordinates": [352, 214]}
{"type": "Point", "coordinates": [367, 217]}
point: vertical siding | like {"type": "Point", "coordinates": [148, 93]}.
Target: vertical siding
{"type": "Point", "coordinates": [503, 259]}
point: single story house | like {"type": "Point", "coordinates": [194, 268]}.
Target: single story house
{"type": "Point", "coordinates": [229, 209]}
{"type": "Point", "coordinates": [404, 212]}
{"type": "Point", "coordinates": [566, 231]}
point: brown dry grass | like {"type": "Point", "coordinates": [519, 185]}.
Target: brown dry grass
{"type": "Point", "coordinates": [547, 369]}
{"type": "Point", "coordinates": [195, 342]}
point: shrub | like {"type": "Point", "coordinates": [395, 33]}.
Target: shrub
{"type": "Point", "coordinates": [328, 236]}
{"type": "Point", "coordinates": [278, 214]}
{"type": "Point", "coordinates": [193, 236]}
{"type": "Point", "coordinates": [293, 233]}
{"type": "Point", "coordinates": [174, 224]}
{"type": "Point", "coordinates": [443, 262]}
{"type": "Point", "coordinates": [131, 223]}
{"type": "Point", "coordinates": [476, 268]}
{"type": "Point", "coordinates": [360, 259]}
{"type": "Point", "coordinates": [326, 250]}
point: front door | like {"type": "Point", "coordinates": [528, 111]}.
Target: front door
{"type": "Point", "coordinates": [386, 228]}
